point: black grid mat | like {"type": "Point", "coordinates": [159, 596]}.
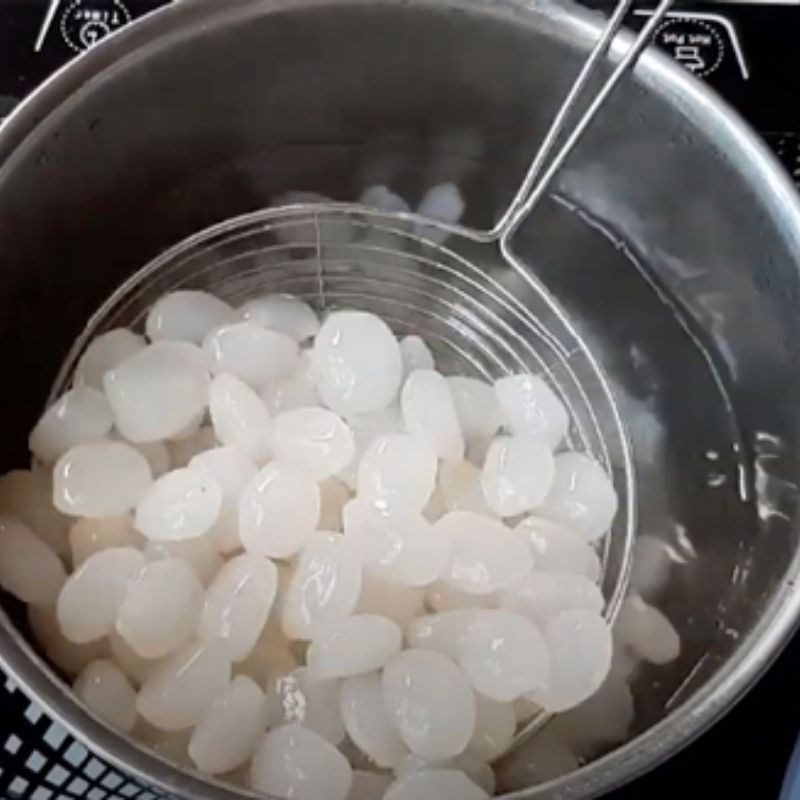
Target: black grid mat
{"type": "Point", "coordinates": [39, 760]}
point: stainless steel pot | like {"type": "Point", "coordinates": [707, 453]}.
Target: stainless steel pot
{"type": "Point", "coordinates": [673, 241]}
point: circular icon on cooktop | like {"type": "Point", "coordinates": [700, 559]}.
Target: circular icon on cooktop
{"type": "Point", "coordinates": [85, 22]}
{"type": "Point", "coordinates": [695, 44]}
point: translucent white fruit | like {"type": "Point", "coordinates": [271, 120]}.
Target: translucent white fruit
{"type": "Point", "coordinates": [442, 784]}
{"type": "Point", "coordinates": [416, 354]}
{"type": "Point", "coordinates": [88, 604]}
{"type": "Point", "coordinates": [201, 554]}
{"type": "Point", "coordinates": [28, 496]}
{"type": "Point", "coordinates": [296, 390]}
{"type": "Point", "coordinates": [485, 556]}
{"type": "Point", "coordinates": [314, 704]}
{"type": "Point", "coordinates": [529, 405]}
{"type": "Point", "coordinates": [183, 504]}
{"type": "Point", "coordinates": [476, 406]}
{"type": "Point", "coordinates": [517, 474]}
{"type": "Point", "coordinates": [582, 496]}
{"type": "Point", "coordinates": [430, 702]}
{"type": "Point", "coordinates": [480, 773]}
{"type": "Point", "coordinates": [542, 595]}
{"type": "Point", "coordinates": [240, 418]}
{"type": "Point", "coordinates": [278, 511]}
{"type": "Point", "coordinates": [558, 549]}
{"type": "Point", "coordinates": [284, 314]}
{"type": "Point", "coordinates": [237, 604]}
{"type": "Point", "coordinates": [393, 600]}
{"type": "Point", "coordinates": [108, 694]}
{"type": "Point", "coordinates": [29, 569]}
{"type": "Point", "coordinates": [182, 451]}
{"type": "Point", "coordinates": [294, 762]}
{"type": "Point", "coordinates": [647, 631]}
{"type": "Point", "coordinates": [355, 645]}
{"type": "Point", "coordinates": [325, 587]}
{"type": "Point", "coordinates": [383, 198]}
{"type": "Point", "coordinates": [442, 596]}
{"type": "Point", "coordinates": [504, 655]}
{"type": "Point", "coordinates": [158, 391]}
{"type": "Point", "coordinates": [100, 480]}
{"type": "Point", "coordinates": [180, 690]}
{"type": "Point", "coordinates": [368, 785]}
{"type": "Point", "coordinates": [250, 352]}
{"type": "Point", "coordinates": [334, 495]}
{"type": "Point", "coordinates": [580, 648]}
{"type": "Point", "coordinates": [444, 203]}
{"type": "Point", "coordinates": [495, 725]}
{"type": "Point", "coordinates": [314, 439]}
{"type": "Point", "coordinates": [232, 470]}
{"type": "Point", "coordinates": [104, 353]}
{"type": "Point", "coordinates": [367, 721]}
{"type": "Point", "coordinates": [227, 734]}
{"type": "Point", "coordinates": [161, 608]}
{"type": "Point", "coordinates": [135, 667]}
{"type": "Point", "coordinates": [430, 413]}
{"type": "Point", "coordinates": [366, 428]}
{"type": "Point", "coordinates": [652, 562]}
{"type": "Point", "coordinates": [396, 546]}
{"type": "Point", "coordinates": [397, 471]}
{"type": "Point", "coordinates": [356, 363]}
{"type": "Point", "coordinates": [186, 316]}
{"type": "Point", "coordinates": [442, 633]}
{"type": "Point", "coordinates": [68, 656]}
{"type": "Point", "coordinates": [81, 415]}
{"type": "Point", "coordinates": [460, 484]}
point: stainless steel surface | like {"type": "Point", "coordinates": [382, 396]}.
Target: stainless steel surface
{"type": "Point", "coordinates": [673, 246]}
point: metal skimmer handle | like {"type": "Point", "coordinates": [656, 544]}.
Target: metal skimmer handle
{"type": "Point", "coordinates": [541, 172]}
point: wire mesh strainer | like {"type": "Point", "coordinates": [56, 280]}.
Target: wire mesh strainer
{"type": "Point", "coordinates": [398, 266]}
